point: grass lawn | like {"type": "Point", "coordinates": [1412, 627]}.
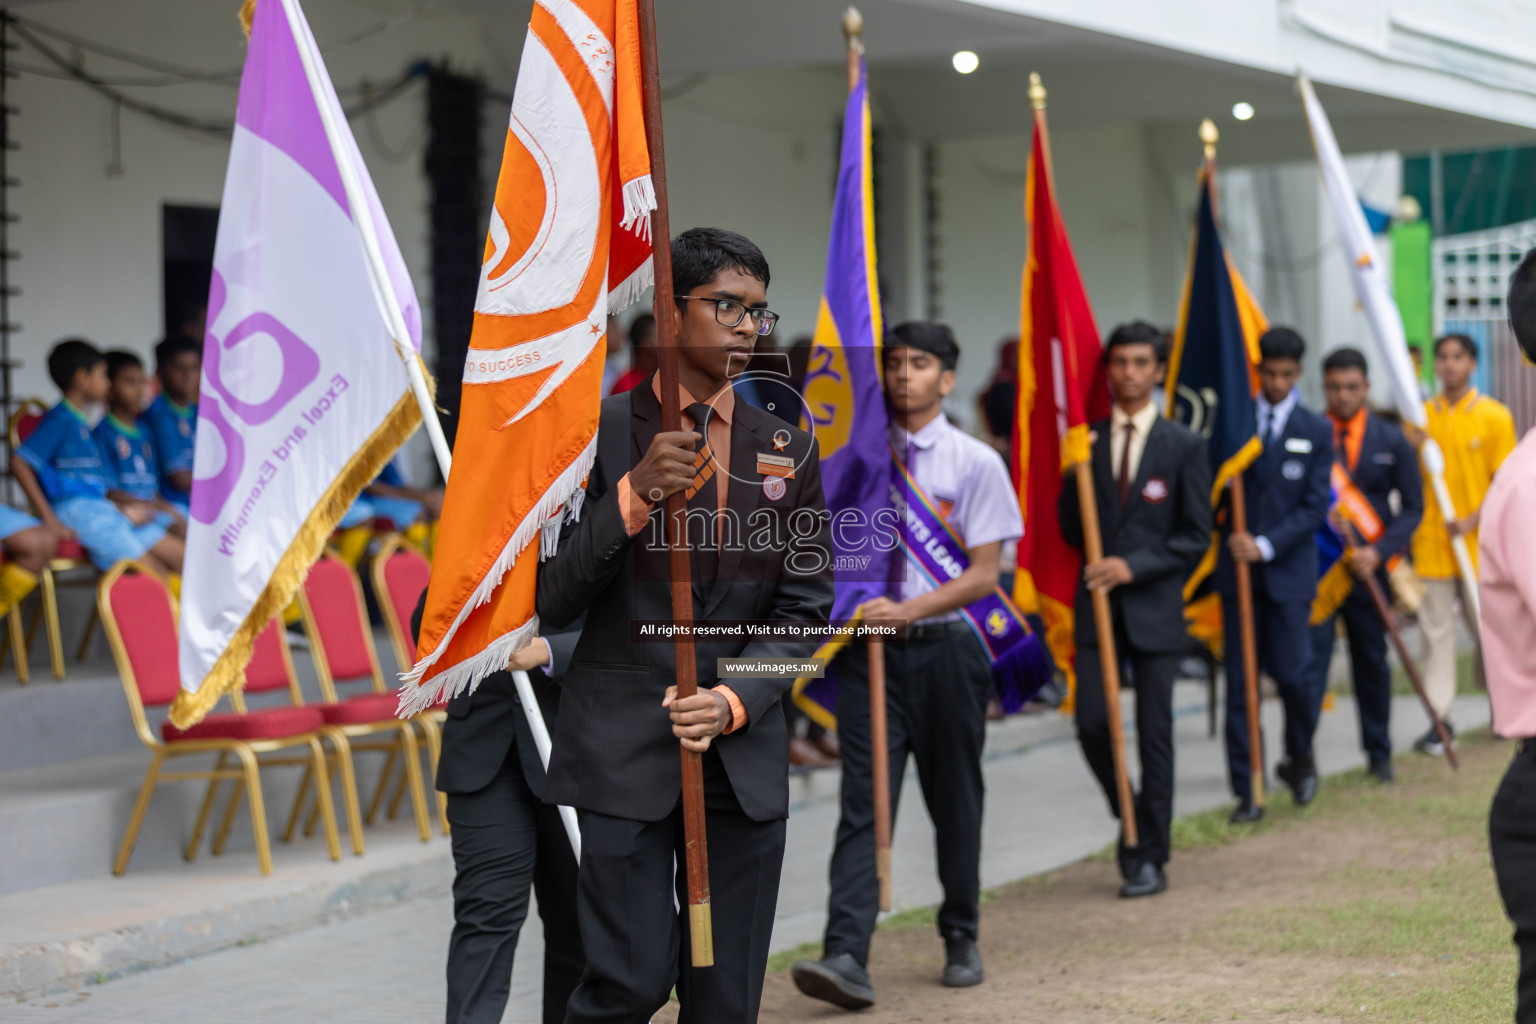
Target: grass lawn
{"type": "Point", "coordinates": [1377, 903]}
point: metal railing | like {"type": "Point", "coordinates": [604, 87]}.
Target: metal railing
{"type": "Point", "coordinates": [1470, 278]}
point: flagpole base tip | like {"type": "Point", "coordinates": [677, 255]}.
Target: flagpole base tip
{"type": "Point", "coordinates": [883, 872]}
{"type": "Point", "coordinates": [701, 935]}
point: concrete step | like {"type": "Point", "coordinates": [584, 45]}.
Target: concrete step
{"type": "Point", "coordinates": [70, 770]}
{"type": "Point", "coordinates": [64, 936]}
{"type": "Point", "coordinates": [63, 822]}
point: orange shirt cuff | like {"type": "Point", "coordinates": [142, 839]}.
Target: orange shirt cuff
{"type": "Point", "coordinates": [738, 709]}
{"type": "Point", "coordinates": [634, 509]}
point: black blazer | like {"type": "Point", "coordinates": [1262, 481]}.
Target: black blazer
{"type": "Point", "coordinates": [614, 749]}
{"type": "Point", "coordinates": [482, 725]}
{"type": "Point", "coordinates": [1388, 463]}
{"type": "Point", "coordinates": [1161, 533]}
{"type": "Point", "coordinates": [1287, 494]}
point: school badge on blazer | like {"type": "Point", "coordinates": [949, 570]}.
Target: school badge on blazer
{"type": "Point", "coordinates": [1155, 491]}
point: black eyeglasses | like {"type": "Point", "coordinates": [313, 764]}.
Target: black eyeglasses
{"type": "Point", "coordinates": [729, 313]}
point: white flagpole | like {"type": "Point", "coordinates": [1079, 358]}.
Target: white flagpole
{"type": "Point", "coordinates": [1369, 277]}
{"type": "Point", "coordinates": [389, 307]}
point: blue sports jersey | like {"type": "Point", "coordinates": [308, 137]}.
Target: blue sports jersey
{"type": "Point", "coordinates": [173, 431]}
{"type": "Point", "coordinates": [128, 452]}
{"type": "Point", "coordinates": [390, 475]}
{"type": "Point", "coordinates": [65, 456]}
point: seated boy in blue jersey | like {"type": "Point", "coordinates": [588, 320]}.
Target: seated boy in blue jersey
{"type": "Point", "coordinates": [127, 449]}
{"type": "Point", "coordinates": [403, 505]}
{"type": "Point", "coordinates": [172, 417]}
{"type": "Point", "coordinates": [28, 547]}
{"type": "Point", "coordinates": [61, 470]}
{"type": "Point", "coordinates": [412, 511]}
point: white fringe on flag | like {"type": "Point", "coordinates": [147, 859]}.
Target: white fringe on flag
{"type": "Point", "coordinates": [639, 201]}
{"type": "Point", "coordinates": [563, 500]}
{"type": "Point", "coordinates": [628, 291]}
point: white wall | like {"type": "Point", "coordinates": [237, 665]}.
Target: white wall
{"type": "Point", "coordinates": [90, 241]}
{"type": "Point", "coordinates": [1125, 214]}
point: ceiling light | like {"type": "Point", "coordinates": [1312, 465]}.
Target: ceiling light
{"type": "Point", "coordinates": [1242, 111]}
{"type": "Point", "coordinates": [965, 62]}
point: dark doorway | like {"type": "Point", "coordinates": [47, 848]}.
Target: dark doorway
{"type": "Point", "coordinates": [187, 234]}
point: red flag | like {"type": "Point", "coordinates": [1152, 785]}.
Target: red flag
{"type": "Point", "coordinates": [1061, 390]}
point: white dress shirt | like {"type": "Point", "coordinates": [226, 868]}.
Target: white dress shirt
{"type": "Point", "coordinates": [1272, 421]}
{"type": "Point", "coordinates": [968, 481]}
{"type": "Point", "coordinates": [1142, 421]}
{"type": "Point", "coordinates": [1273, 418]}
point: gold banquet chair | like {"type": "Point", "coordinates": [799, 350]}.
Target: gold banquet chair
{"type": "Point", "coordinates": [336, 623]}
{"type": "Point", "coordinates": [139, 616]}
{"type": "Point", "coordinates": [401, 572]}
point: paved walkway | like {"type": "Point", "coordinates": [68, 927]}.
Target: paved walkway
{"type": "Point", "coordinates": [1043, 810]}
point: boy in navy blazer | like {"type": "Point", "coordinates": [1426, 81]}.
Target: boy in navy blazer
{"type": "Point", "coordinates": [1287, 494]}
{"type": "Point", "coordinates": [1378, 460]}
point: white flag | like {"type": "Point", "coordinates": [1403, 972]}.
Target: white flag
{"type": "Point", "coordinates": [1375, 295]}
{"type": "Point", "coordinates": [1372, 286]}
{"type": "Point", "coordinates": [304, 397]}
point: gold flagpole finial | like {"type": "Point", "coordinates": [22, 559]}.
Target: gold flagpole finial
{"type": "Point", "coordinates": [853, 30]}
{"type": "Point", "coordinates": [1036, 91]}
{"type": "Point", "coordinates": [1209, 135]}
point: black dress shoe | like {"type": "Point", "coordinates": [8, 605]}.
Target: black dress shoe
{"type": "Point", "coordinates": [1126, 860]}
{"type": "Point", "coordinates": [1246, 813]}
{"type": "Point", "coordinates": [838, 979]}
{"type": "Point", "coordinates": [1148, 879]}
{"type": "Point", "coordinates": [962, 961]}
{"type": "Point", "coordinates": [1286, 773]}
{"type": "Point", "coordinates": [1382, 770]}
{"type": "Point", "coordinates": [1304, 781]}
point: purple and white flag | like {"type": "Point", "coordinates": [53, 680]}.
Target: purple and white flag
{"type": "Point", "coordinates": [304, 393]}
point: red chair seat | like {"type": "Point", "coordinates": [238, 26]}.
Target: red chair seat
{"type": "Point", "coordinates": [267, 724]}
{"type": "Point", "coordinates": [363, 709]}
{"type": "Point", "coordinates": [72, 550]}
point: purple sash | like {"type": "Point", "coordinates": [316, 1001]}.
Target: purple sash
{"type": "Point", "coordinates": [1020, 666]}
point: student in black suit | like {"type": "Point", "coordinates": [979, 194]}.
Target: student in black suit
{"type": "Point", "coordinates": [506, 839]}
{"type": "Point", "coordinates": [1287, 495]}
{"type": "Point", "coordinates": [1153, 487]}
{"type": "Point", "coordinates": [1380, 461]}
{"type": "Point", "coordinates": [616, 748]}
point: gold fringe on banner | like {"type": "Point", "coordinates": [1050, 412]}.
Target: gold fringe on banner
{"type": "Point", "coordinates": [228, 673]}
{"type": "Point", "coordinates": [1332, 589]}
{"type": "Point", "coordinates": [247, 16]}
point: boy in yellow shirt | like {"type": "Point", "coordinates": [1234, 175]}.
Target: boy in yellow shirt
{"type": "Point", "coordinates": [1476, 433]}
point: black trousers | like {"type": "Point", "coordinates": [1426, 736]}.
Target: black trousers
{"type": "Point", "coordinates": [1284, 634]}
{"type": "Point", "coordinates": [1368, 665]}
{"type": "Point", "coordinates": [1153, 673]}
{"type": "Point", "coordinates": [936, 710]}
{"type": "Point", "coordinates": [635, 936]}
{"type": "Point", "coordinates": [505, 840]}
{"type": "Point", "coordinates": [1512, 836]}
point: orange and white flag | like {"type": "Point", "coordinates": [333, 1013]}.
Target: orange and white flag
{"type": "Point", "coordinates": [569, 242]}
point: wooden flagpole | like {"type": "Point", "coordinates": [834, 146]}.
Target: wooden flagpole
{"type": "Point", "coordinates": [879, 744]}
{"type": "Point", "coordinates": [1208, 136]}
{"type": "Point", "coordinates": [700, 928]}
{"type": "Point", "coordinates": [1384, 609]}
{"type": "Point", "coordinates": [1093, 551]}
